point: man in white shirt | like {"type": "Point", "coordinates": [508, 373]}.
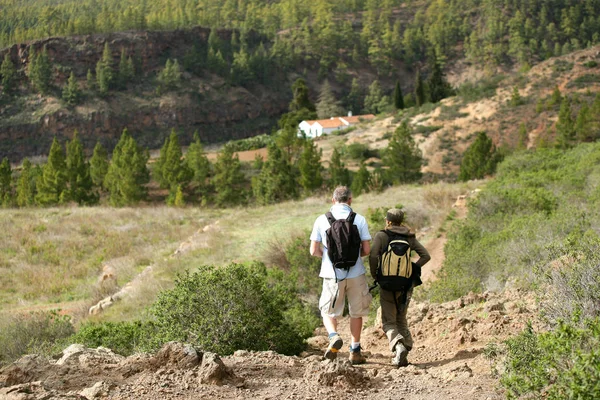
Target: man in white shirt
{"type": "Point", "coordinates": [341, 283]}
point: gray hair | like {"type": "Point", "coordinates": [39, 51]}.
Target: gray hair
{"type": "Point", "coordinates": [342, 194]}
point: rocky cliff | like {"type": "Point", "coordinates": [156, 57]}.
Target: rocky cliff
{"type": "Point", "coordinates": [206, 103]}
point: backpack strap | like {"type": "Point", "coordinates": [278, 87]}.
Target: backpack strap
{"type": "Point", "coordinates": [330, 218]}
{"type": "Point", "coordinates": [351, 217]}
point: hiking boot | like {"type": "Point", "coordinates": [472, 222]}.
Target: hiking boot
{"type": "Point", "coordinates": [335, 344]}
{"type": "Point", "coordinates": [356, 356]}
{"type": "Point", "coordinates": [400, 359]}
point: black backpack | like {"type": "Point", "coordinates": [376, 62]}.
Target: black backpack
{"type": "Point", "coordinates": [343, 241]}
{"type": "Point", "coordinates": [395, 270]}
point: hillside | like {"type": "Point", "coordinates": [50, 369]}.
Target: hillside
{"type": "Point", "coordinates": [443, 131]}
{"type": "Point", "coordinates": [207, 103]}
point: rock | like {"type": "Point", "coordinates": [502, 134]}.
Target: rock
{"type": "Point", "coordinates": [214, 372]}
{"type": "Point", "coordinates": [26, 369]}
{"type": "Point", "coordinates": [179, 355]}
{"type": "Point", "coordinates": [494, 305]}
{"type": "Point", "coordinates": [335, 373]}
{"type": "Point", "coordinates": [69, 352]}
{"type": "Point", "coordinates": [99, 389]}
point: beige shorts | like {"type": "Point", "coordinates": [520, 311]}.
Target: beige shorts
{"type": "Point", "coordinates": [357, 291]}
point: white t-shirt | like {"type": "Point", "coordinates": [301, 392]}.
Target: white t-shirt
{"type": "Point", "coordinates": [339, 211]}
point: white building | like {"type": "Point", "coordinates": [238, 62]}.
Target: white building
{"type": "Point", "coordinates": [316, 128]}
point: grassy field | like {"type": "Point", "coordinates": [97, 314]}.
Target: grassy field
{"type": "Point", "coordinates": [52, 258]}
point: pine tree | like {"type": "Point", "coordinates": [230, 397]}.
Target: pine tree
{"type": "Point", "coordinates": [53, 181]}
{"type": "Point", "coordinates": [41, 72]}
{"type": "Point", "coordinates": [402, 156]}
{"type": "Point", "coordinates": [398, 97]}
{"type": "Point", "coordinates": [437, 84]}
{"type": "Point", "coordinates": [338, 173]}
{"type": "Point", "coordinates": [515, 98]}
{"type": "Point", "coordinates": [71, 93]}
{"type": "Point", "coordinates": [198, 164]}
{"type": "Point", "coordinates": [555, 99]}
{"type": "Point", "coordinates": [480, 159]}
{"type": "Point", "coordinates": [78, 174]}
{"type": "Point", "coordinates": [170, 76]}
{"type": "Point", "coordinates": [373, 98]}
{"type": "Point", "coordinates": [26, 185]}
{"type": "Point", "coordinates": [5, 182]}
{"type": "Point", "coordinates": [565, 126]}
{"type": "Point", "coordinates": [157, 168]}
{"type": "Point", "coordinates": [277, 179]}
{"type": "Point", "coordinates": [361, 181]}
{"type": "Point", "coordinates": [9, 75]}
{"type": "Point", "coordinates": [354, 100]}
{"type": "Point", "coordinates": [311, 176]}
{"type": "Point", "coordinates": [327, 105]}
{"type": "Point", "coordinates": [104, 71]}
{"type": "Point", "coordinates": [31, 65]}
{"type": "Point", "coordinates": [301, 99]}
{"type": "Point", "coordinates": [126, 70]}
{"type": "Point", "coordinates": [229, 180]}
{"type": "Point", "coordinates": [215, 62]}
{"type": "Point", "coordinates": [214, 42]}
{"type": "Point", "coordinates": [179, 199]}
{"type": "Point", "coordinates": [583, 124]}
{"type": "Point", "coordinates": [127, 173]}
{"type": "Point", "coordinates": [175, 171]}
{"type": "Point", "coordinates": [91, 81]}
{"type": "Point", "coordinates": [241, 70]}
{"type": "Point", "coordinates": [99, 164]}
{"type": "Point", "coordinates": [419, 90]}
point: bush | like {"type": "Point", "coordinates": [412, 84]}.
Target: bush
{"type": "Point", "coordinates": [293, 257]}
{"type": "Point", "coordinates": [572, 278]}
{"type": "Point", "coordinates": [536, 202]}
{"type": "Point", "coordinates": [123, 338]}
{"type": "Point", "coordinates": [251, 143]}
{"type": "Point", "coordinates": [561, 364]}
{"type": "Point", "coordinates": [38, 332]}
{"type": "Point", "coordinates": [484, 88]}
{"type": "Point", "coordinates": [226, 309]}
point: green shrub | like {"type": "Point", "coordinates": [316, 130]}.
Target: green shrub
{"type": "Point", "coordinates": [304, 268]}
{"type": "Point", "coordinates": [38, 332]}
{"type": "Point", "coordinates": [560, 364]}
{"type": "Point", "coordinates": [425, 130]}
{"type": "Point", "coordinates": [536, 202]}
{"type": "Point", "coordinates": [121, 337]}
{"type": "Point", "coordinates": [226, 309]}
{"type": "Point", "coordinates": [572, 278]}
{"type": "Point", "coordinates": [483, 89]}
{"type": "Point", "coordinates": [584, 80]}
{"type": "Point", "coordinates": [357, 151]}
{"type": "Point", "coordinates": [251, 143]}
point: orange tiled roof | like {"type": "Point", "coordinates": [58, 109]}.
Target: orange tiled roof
{"type": "Point", "coordinates": [331, 123]}
{"type": "Point", "coordinates": [355, 119]}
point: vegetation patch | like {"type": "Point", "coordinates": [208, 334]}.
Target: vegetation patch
{"type": "Point", "coordinates": [547, 191]}
{"type": "Point", "coordinates": [583, 81]}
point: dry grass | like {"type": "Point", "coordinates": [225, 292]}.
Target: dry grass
{"type": "Point", "coordinates": [56, 255]}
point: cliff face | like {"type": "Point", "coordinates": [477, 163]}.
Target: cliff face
{"type": "Point", "coordinates": [206, 104]}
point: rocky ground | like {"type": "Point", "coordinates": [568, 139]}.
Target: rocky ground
{"type": "Point", "coordinates": [448, 362]}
